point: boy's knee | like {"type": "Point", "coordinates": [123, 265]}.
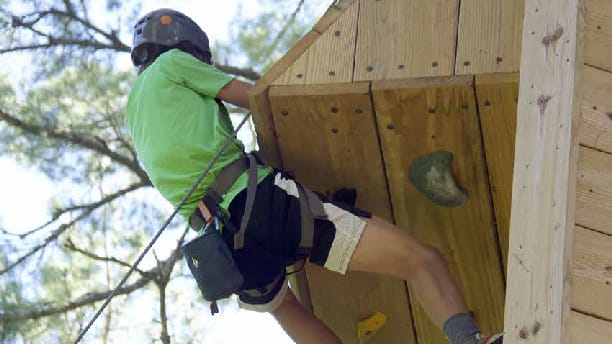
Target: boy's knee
{"type": "Point", "coordinates": [430, 259]}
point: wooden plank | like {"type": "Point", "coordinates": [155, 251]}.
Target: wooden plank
{"type": "Point", "coordinates": [598, 34]}
{"type": "Point", "coordinates": [497, 96]}
{"type": "Point", "coordinates": [401, 39]}
{"type": "Point", "coordinates": [288, 59]}
{"type": "Point", "coordinates": [333, 12]}
{"type": "Point", "coordinates": [594, 190]}
{"type": "Point", "coordinates": [260, 106]}
{"type": "Point", "coordinates": [592, 273]}
{"type": "Point", "coordinates": [585, 329]}
{"type": "Point", "coordinates": [330, 58]}
{"type": "Point", "coordinates": [327, 136]}
{"type": "Point", "coordinates": [596, 126]}
{"type": "Point", "coordinates": [543, 195]}
{"type": "Point", "coordinates": [419, 116]}
{"type": "Point", "coordinates": [489, 38]}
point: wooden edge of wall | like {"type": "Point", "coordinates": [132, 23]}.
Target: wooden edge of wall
{"type": "Point", "coordinates": [321, 89]}
{"type": "Point", "coordinates": [544, 188]}
{"type": "Point", "coordinates": [260, 104]}
{"type": "Point", "coordinates": [424, 82]}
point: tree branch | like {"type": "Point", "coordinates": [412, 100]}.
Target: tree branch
{"type": "Point", "coordinates": [78, 140]}
{"type": "Point", "coordinates": [71, 246]}
{"type": "Point", "coordinates": [90, 298]}
{"type": "Point", "coordinates": [62, 228]}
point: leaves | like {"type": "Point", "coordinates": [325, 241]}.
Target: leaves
{"type": "Point", "coordinates": [64, 115]}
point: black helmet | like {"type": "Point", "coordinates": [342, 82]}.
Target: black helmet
{"type": "Point", "coordinates": [167, 28]}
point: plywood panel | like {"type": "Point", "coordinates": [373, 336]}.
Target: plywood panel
{"type": "Point", "coordinates": [586, 329]}
{"type": "Point", "coordinates": [489, 36]}
{"type": "Point", "coordinates": [594, 190]}
{"type": "Point", "coordinates": [592, 273]}
{"type": "Point", "coordinates": [544, 181]}
{"type": "Point", "coordinates": [497, 95]}
{"type": "Point", "coordinates": [330, 58]}
{"type": "Point", "coordinates": [598, 34]}
{"type": "Point", "coordinates": [259, 103]}
{"type": "Point", "coordinates": [596, 126]}
{"type": "Point", "coordinates": [327, 136]}
{"type": "Point", "coordinates": [399, 39]}
{"type": "Point", "coordinates": [333, 12]}
{"type": "Point", "coordinates": [419, 116]}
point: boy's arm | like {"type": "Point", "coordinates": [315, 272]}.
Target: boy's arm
{"type": "Point", "coordinates": [235, 92]}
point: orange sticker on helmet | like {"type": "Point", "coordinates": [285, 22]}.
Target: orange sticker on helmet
{"type": "Point", "coordinates": [166, 20]}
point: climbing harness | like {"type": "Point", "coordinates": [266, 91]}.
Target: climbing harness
{"type": "Point", "coordinates": [219, 277]}
{"type": "Point", "coordinates": [163, 227]}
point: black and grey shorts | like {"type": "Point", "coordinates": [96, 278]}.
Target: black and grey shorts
{"type": "Point", "coordinates": [273, 234]}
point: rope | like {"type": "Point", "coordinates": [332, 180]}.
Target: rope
{"type": "Point", "coordinates": [159, 232]}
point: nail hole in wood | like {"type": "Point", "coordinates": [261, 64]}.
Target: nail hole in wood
{"type": "Point", "coordinates": [390, 126]}
{"type": "Point", "coordinates": [434, 64]}
{"type": "Point", "coordinates": [284, 113]}
{"type": "Point", "coordinates": [370, 68]}
{"type": "Point", "coordinates": [432, 110]}
{"type": "Point", "coordinates": [332, 73]}
{"type": "Point", "coordinates": [337, 33]}
{"type": "Point", "coordinates": [467, 63]}
{"type": "Point", "coordinates": [334, 109]}
{"type": "Point", "coordinates": [334, 130]}
{"type": "Point", "coordinates": [299, 75]}
{"type": "Point", "coordinates": [487, 102]}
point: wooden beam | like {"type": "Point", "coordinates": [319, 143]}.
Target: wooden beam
{"type": "Point", "coordinates": [542, 219]}
{"type": "Point", "coordinates": [332, 14]}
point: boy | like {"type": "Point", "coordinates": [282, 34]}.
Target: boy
{"type": "Point", "coordinates": [178, 123]}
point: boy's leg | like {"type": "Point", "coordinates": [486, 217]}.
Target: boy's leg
{"type": "Point", "coordinates": [383, 248]}
{"type": "Point", "coordinates": [300, 325]}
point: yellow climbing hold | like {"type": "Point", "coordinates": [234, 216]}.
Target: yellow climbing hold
{"type": "Point", "coordinates": [367, 328]}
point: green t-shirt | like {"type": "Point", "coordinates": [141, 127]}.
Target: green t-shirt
{"type": "Point", "coordinates": [177, 127]}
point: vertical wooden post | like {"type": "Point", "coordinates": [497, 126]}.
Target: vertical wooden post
{"type": "Point", "coordinates": [542, 221]}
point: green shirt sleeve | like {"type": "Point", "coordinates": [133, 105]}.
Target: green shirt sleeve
{"type": "Point", "coordinates": [186, 70]}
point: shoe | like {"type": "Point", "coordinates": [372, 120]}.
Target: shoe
{"type": "Point", "coordinates": [496, 339]}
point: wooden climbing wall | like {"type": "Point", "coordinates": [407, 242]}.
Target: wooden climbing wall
{"type": "Point", "coordinates": [321, 120]}
{"type": "Point", "coordinates": [419, 116]}
{"type": "Point", "coordinates": [327, 137]}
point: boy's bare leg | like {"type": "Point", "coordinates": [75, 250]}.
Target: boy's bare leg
{"type": "Point", "coordinates": [300, 325]}
{"type": "Point", "coordinates": [383, 248]}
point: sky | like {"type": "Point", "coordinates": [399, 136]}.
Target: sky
{"type": "Point", "coordinates": [26, 193]}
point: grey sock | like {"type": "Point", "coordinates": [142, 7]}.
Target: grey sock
{"type": "Point", "coordinates": [461, 328]}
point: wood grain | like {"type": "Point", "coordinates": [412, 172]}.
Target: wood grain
{"type": "Point", "coordinates": [400, 39]}
{"type": "Point", "coordinates": [596, 124]}
{"type": "Point", "coordinates": [544, 181]}
{"type": "Point", "coordinates": [594, 190]}
{"type": "Point", "coordinates": [497, 96]}
{"type": "Point", "coordinates": [419, 116]}
{"type": "Point", "coordinates": [489, 39]}
{"type": "Point", "coordinates": [327, 136]}
{"type": "Point", "coordinates": [586, 329]}
{"type": "Point", "coordinates": [598, 34]}
{"type": "Point", "coordinates": [330, 58]}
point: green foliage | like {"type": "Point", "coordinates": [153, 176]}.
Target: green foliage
{"type": "Point", "coordinates": [72, 94]}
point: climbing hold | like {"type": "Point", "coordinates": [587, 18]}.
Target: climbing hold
{"type": "Point", "coordinates": [432, 175]}
{"type": "Point", "coordinates": [367, 328]}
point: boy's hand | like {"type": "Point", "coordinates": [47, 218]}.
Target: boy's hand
{"type": "Point", "coordinates": [235, 92]}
